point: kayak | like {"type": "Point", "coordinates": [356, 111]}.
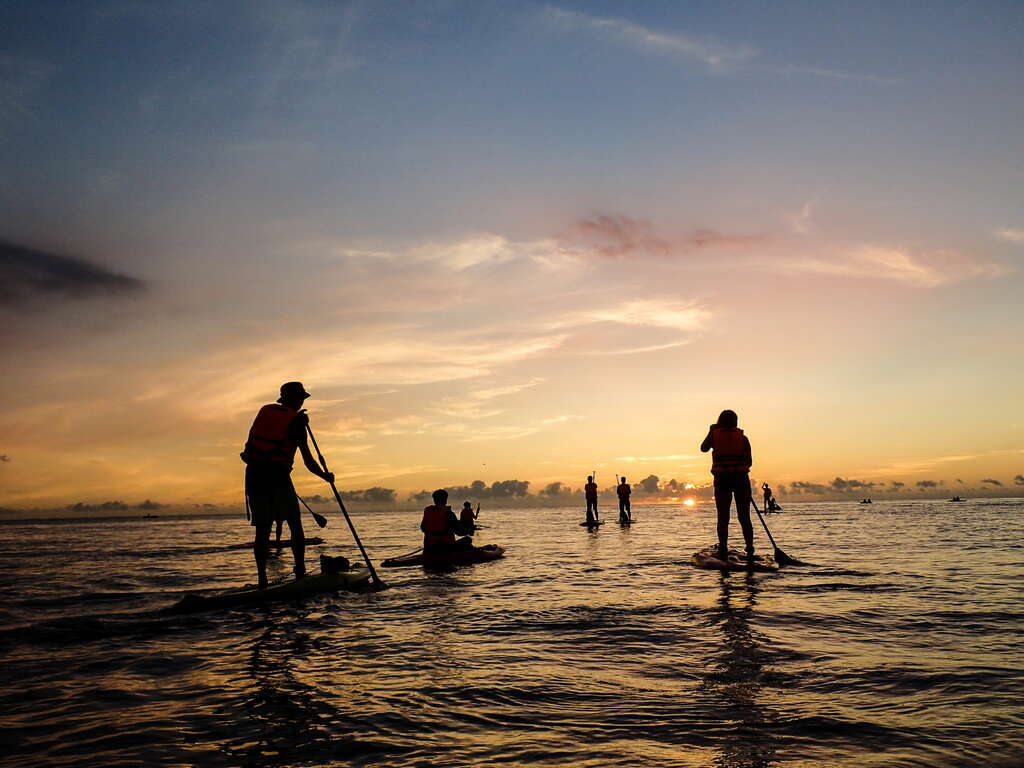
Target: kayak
{"type": "Point", "coordinates": [284, 589]}
{"type": "Point", "coordinates": [455, 557]}
{"type": "Point", "coordinates": [737, 561]}
{"type": "Point", "coordinates": [284, 543]}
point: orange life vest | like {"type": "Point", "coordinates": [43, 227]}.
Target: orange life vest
{"type": "Point", "coordinates": [728, 450]}
{"type": "Point", "coordinates": [268, 437]}
{"type": "Point", "coordinates": [435, 527]}
{"type": "Point", "coordinates": [624, 490]}
{"type": "Point", "coordinates": [590, 490]}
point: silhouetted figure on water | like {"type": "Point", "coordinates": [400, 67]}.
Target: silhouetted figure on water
{"type": "Point", "coordinates": [770, 505]}
{"type": "Point", "coordinates": [279, 429]}
{"type": "Point", "coordinates": [623, 490]}
{"type": "Point", "coordinates": [730, 466]}
{"type": "Point", "coordinates": [467, 518]}
{"type": "Point", "coordinates": [590, 493]}
{"type": "Point", "coordinates": [440, 526]}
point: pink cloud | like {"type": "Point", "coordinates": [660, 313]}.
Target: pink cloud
{"type": "Point", "coordinates": [616, 236]}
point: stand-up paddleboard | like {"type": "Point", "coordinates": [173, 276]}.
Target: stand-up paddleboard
{"type": "Point", "coordinates": [737, 561]}
{"type": "Point", "coordinates": [284, 543]}
{"type": "Point", "coordinates": [455, 557]}
{"type": "Point", "coordinates": [285, 589]}
{"type": "Point", "coordinates": [594, 524]}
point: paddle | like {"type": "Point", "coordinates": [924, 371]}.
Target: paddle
{"type": "Point", "coordinates": [320, 519]}
{"type": "Point", "coordinates": [323, 463]}
{"type": "Point", "coordinates": [780, 557]}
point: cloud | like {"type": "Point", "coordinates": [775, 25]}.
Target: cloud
{"type": "Point", "coordinates": [27, 274]}
{"type": "Point", "coordinates": [1018, 480]}
{"type": "Point", "coordinates": [713, 54]}
{"type": "Point", "coordinates": [920, 269]}
{"type": "Point", "coordinates": [648, 459]}
{"type": "Point", "coordinates": [716, 56]}
{"type": "Point", "coordinates": [898, 484]}
{"type": "Point", "coordinates": [615, 236]}
{"type": "Point", "coordinates": [839, 484]}
{"type": "Point", "coordinates": [929, 483]}
{"type": "Point", "coordinates": [20, 78]}
{"type": "Point", "coordinates": [799, 486]}
{"type": "Point", "coordinates": [800, 222]}
{"type": "Point", "coordinates": [992, 481]}
{"type": "Point", "coordinates": [1011, 235]}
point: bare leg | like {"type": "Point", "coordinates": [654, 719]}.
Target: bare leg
{"type": "Point", "coordinates": [298, 544]}
{"type": "Point", "coordinates": [260, 550]}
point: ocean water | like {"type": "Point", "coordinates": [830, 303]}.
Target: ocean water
{"type": "Point", "coordinates": [898, 644]}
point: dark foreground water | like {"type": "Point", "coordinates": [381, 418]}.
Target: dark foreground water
{"type": "Point", "coordinates": [900, 646]}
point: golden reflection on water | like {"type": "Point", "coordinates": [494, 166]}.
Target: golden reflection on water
{"type": "Point", "coordinates": [735, 673]}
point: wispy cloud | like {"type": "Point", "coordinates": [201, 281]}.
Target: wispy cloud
{"type": "Point", "coordinates": [717, 56]}
{"type": "Point", "coordinates": [27, 274]}
{"type": "Point", "coordinates": [1011, 235]}
{"type": "Point", "coordinates": [926, 269]}
{"type": "Point", "coordinates": [800, 222]}
{"type": "Point", "coordinates": [713, 54]}
{"type": "Point", "coordinates": [656, 459]}
{"type": "Point", "coordinates": [20, 78]}
{"type": "Point", "coordinates": [616, 236]}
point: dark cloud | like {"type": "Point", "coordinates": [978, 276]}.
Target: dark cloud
{"type": "Point", "coordinates": [623, 237]}
{"type": "Point", "coordinates": [991, 481]}
{"type": "Point", "coordinates": [28, 274]}
{"type": "Point", "coordinates": [839, 484]}
{"type": "Point", "coordinates": [898, 484]}
{"type": "Point", "coordinates": [4, 458]}
{"type": "Point", "coordinates": [478, 489]}
{"type": "Point", "coordinates": [375, 495]}
{"type": "Point", "coordinates": [648, 485]}
{"type": "Point", "coordinates": [799, 486]}
{"type": "Point", "coordinates": [1018, 480]}
{"type": "Point", "coordinates": [113, 506]}
{"type": "Point", "coordinates": [554, 490]}
{"type": "Point", "coordinates": [928, 483]}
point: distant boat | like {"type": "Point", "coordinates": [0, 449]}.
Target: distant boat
{"type": "Point", "coordinates": [149, 517]}
{"type": "Point", "coordinates": [957, 498]}
{"type": "Point", "coordinates": [865, 501]}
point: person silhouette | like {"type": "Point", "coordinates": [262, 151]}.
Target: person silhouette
{"type": "Point", "coordinates": [730, 466]}
{"type": "Point", "coordinates": [590, 493]}
{"type": "Point", "coordinates": [623, 490]}
{"type": "Point", "coordinates": [269, 454]}
{"type": "Point", "coordinates": [467, 518]}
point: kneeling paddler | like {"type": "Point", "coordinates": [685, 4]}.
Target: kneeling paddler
{"type": "Point", "coordinates": [440, 527]}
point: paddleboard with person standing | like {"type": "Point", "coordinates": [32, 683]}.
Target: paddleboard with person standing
{"type": "Point", "coordinates": [590, 494]}
{"type": "Point", "coordinates": [730, 466]}
{"type": "Point", "coordinates": [269, 454]}
{"type": "Point", "coordinates": [623, 491]}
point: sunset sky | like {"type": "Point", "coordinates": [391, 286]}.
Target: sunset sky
{"type": "Point", "coordinates": [509, 240]}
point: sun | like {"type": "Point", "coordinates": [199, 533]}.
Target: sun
{"type": "Point", "coordinates": [689, 502]}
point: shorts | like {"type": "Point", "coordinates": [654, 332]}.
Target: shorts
{"type": "Point", "coordinates": [271, 495]}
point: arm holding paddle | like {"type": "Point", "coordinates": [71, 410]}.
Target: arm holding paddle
{"type": "Point", "coordinates": [300, 426]}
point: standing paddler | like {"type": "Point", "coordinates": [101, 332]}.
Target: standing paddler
{"type": "Point", "coordinates": [623, 490]}
{"type": "Point", "coordinates": [730, 466]}
{"type": "Point", "coordinates": [269, 454]}
{"type": "Point", "coordinates": [590, 493]}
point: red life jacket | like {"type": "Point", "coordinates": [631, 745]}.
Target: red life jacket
{"type": "Point", "coordinates": [728, 450]}
{"type": "Point", "coordinates": [435, 527]}
{"type": "Point", "coordinates": [624, 490]}
{"type": "Point", "coordinates": [268, 437]}
{"type": "Point", "coordinates": [466, 517]}
{"type": "Point", "coordinates": [590, 491]}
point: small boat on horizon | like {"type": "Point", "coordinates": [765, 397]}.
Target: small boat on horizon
{"type": "Point", "coordinates": [957, 498]}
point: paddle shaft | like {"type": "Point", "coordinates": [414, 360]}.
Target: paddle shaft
{"type": "Point", "coordinates": [320, 519]}
{"type": "Point", "coordinates": [763, 523]}
{"type": "Point", "coordinates": [341, 504]}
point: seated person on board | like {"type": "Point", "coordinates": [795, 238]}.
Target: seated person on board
{"type": "Point", "coordinates": [440, 527]}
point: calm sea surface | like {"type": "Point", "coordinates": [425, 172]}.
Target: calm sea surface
{"type": "Point", "coordinates": [900, 645]}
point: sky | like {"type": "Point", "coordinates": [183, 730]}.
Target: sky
{"type": "Point", "coordinates": [509, 240]}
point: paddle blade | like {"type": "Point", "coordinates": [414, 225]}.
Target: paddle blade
{"type": "Point", "coordinates": [320, 519]}
{"type": "Point", "coordinates": [783, 559]}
